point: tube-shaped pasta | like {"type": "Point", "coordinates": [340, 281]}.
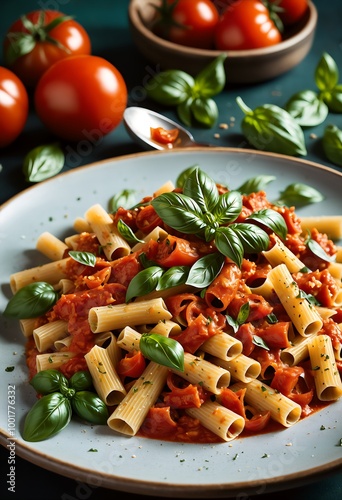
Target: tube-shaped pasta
{"type": "Point", "coordinates": [326, 375]}
{"type": "Point", "coordinates": [108, 341]}
{"type": "Point", "coordinates": [328, 224]}
{"type": "Point", "coordinates": [50, 246]}
{"type": "Point", "coordinates": [50, 273]}
{"type": "Point", "coordinates": [298, 351]}
{"type": "Point", "coordinates": [45, 335]}
{"type": "Point", "coordinates": [105, 378]}
{"type": "Point", "coordinates": [52, 360]}
{"type": "Point", "coordinates": [131, 412]}
{"type": "Point", "coordinates": [200, 371]}
{"type": "Point", "coordinates": [223, 346]}
{"type": "Point", "coordinates": [113, 244]}
{"type": "Point", "coordinates": [242, 368]}
{"type": "Point", "coordinates": [61, 343]}
{"type": "Point", "coordinates": [261, 396]}
{"type": "Point", "coordinates": [303, 315]}
{"type": "Point", "coordinates": [280, 254]}
{"type": "Point", "coordinates": [117, 316]}
{"type": "Point", "coordinates": [128, 339]}
{"type": "Point", "coordinates": [27, 326]}
{"type": "Point", "coordinates": [223, 422]}
{"type": "Point", "coordinates": [157, 234]}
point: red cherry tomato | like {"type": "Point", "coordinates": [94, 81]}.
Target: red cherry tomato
{"type": "Point", "coordinates": [188, 22]}
{"type": "Point", "coordinates": [40, 38]}
{"type": "Point", "coordinates": [293, 11]}
{"type": "Point", "coordinates": [81, 97]}
{"type": "Point", "coordinates": [14, 106]}
{"type": "Point", "coordinates": [245, 25]}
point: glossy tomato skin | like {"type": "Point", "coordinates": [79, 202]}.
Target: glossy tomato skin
{"type": "Point", "coordinates": [193, 23]}
{"type": "Point", "coordinates": [31, 66]}
{"type": "Point", "coordinates": [245, 25]}
{"type": "Point", "coordinates": [14, 105]}
{"type": "Point", "coordinates": [293, 12]}
{"type": "Point", "coordinates": [81, 97]}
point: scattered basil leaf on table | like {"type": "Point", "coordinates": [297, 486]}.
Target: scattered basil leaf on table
{"type": "Point", "coordinates": [307, 108]}
{"type": "Point", "coordinates": [326, 73]}
{"type": "Point", "coordinates": [31, 301]}
{"type": "Point", "coordinates": [332, 144]}
{"type": "Point", "coordinates": [271, 128]}
{"type": "Point", "coordinates": [43, 162]}
{"type": "Point", "coordinates": [163, 350]}
{"type": "Point", "coordinates": [191, 96]}
{"type": "Point", "coordinates": [85, 258]}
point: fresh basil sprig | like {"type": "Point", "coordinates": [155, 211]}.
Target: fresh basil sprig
{"type": "Point", "coordinates": [31, 301]}
{"type": "Point", "coordinates": [241, 317]}
{"type": "Point", "coordinates": [202, 211]}
{"type": "Point", "coordinates": [60, 397]}
{"type": "Point", "coordinates": [332, 144]}
{"type": "Point", "coordinates": [163, 350]}
{"type": "Point", "coordinates": [271, 128]}
{"type": "Point", "coordinates": [43, 162]}
{"type": "Point", "coordinates": [191, 96]}
{"type": "Point", "coordinates": [85, 258]}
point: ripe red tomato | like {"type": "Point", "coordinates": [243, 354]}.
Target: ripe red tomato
{"type": "Point", "coordinates": [14, 105]}
{"type": "Point", "coordinates": [294, 10]}
{"type": "Point", "coordinates": [81, 97]}
{"type": "Point", "coordinates": [246, 24]}
{"type": "Point", "coordinates": [188, 22]}
{"type": "Point", "coordinates": [36, 41]}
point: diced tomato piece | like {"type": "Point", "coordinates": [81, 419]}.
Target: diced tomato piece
{"type": "Point", "coordinates": [132, 365]}
{"type": "Point", "coordinates": [164, 136]}
{"type": "Point", "coordinates": [174, 251]}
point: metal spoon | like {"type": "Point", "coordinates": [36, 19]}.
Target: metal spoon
{"type": "Point", "coordinates": [138, 122]}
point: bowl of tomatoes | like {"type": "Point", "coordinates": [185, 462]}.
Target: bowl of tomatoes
{"type": "Point", "coordinates": [261, 41]}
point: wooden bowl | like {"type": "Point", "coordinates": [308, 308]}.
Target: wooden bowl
{"type": "Point", "coordinates": [243, 66]}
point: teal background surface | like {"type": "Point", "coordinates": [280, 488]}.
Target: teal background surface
{"type": "Point", "coordinates": [107, 24]}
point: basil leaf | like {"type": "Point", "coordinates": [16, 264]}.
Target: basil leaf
{"type": "Point", "coordinates": [205, 111]}
{"type": "Point", "coordinates": [233, 323]}
{"type": "Point", "coordinates": [43, 162]}
{"type": "Point", "coordinates": [271, 128]}
{"type": "Point", "coordinates": [299, 194]}
{"type": "Point", "coordinates": [47, 381]}
{"type": "Point", "coordinates": [326, 73]}
{"type": "Point", "coordinates": [318, 250]}
{"type": "Point", "coordinates": [81, 381]}
{"type": "Point", "coordinates": [205, 270]}
{"type": "Point", "coordinates": [255, 184]}
{"type": "Point", "coordinates": [243, 313]}
{"type": "Point", "coordinates": [163, 350]}
{"type": "Point", "coordinates": [307, 108]}
{"type": "Point", "coordinates": [228, 207]}
{"type": "Point", "coordinates": [309, 297]}
{"type": "Point", "coordinates": [179, 212]}
{"type": "Point", "coordinates": [259, 342]}
{"type": "Point", "coordinates": [90, 407]}
{"type": "Point", "coordinates": [31, 301]}
{"type": "Point", "coordinates": [212, 79]}
{"type": "Point", "coordinates": [184, 111]}
{"type": "Point", "coordinates": [143, 282]}
{"type": "Point", "coordinates": [183, 176]}
{"type": "Point", "coordinates": [229, 244]}
{"type": "Point", "coordinates": [333, 99]}
{"type": "Point", "coordinates": [332, 144]}
{"type": "Point", "coordinates": [170, 87]}
{"type": "Point", "coordinates": [271, 219]}
{"type": "Point", "coordinates": [48, 416]}
{"type": "Point", "coordinates": [253, 238]}
{"type": "Point", "coordinates": [127, 233]}
{"type": "Point", "coordinates": [202, 189]}
{"type": "Point", "coordinates": [125, 199]}
{"type": "Point", "coordinates": [174, 276]}
{"type": "Point", "coordinates": [85, 258]}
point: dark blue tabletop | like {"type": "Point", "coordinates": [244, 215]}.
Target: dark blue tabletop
{"type": "Point", "coordinates": [107, 24]}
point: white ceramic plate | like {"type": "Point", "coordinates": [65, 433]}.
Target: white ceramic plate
{"type": "Point", "coordinates": [138, 465]}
